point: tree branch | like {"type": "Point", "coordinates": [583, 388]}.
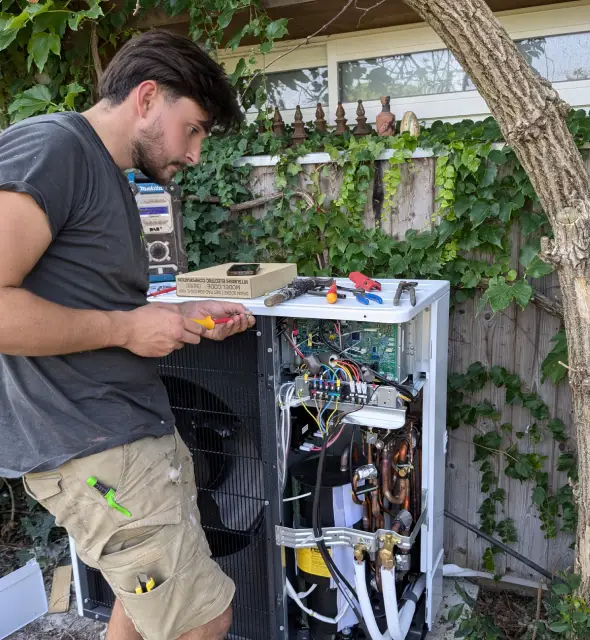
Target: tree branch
{"type": "Point", "coordinates": [365, 11]}
{"type": "Point", "coordinates": [94, 51]}
{"type": "Point", "coordinates": [554, 307]}
{"type": "Point", "coordinates": [257, 202]}
{"type": "Point", "coordinates": [306, 41]}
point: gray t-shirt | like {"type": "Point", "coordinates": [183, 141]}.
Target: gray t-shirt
{"type": "Point", "coordinates": [61, 407]}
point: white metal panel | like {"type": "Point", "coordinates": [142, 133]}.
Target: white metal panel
{"type": "Point", "coordinates": [309, 306]}
{"type": "Point", "coordinates": [433, 454]}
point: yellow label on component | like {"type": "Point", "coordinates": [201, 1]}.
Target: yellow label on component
{"type": "Point", "coordinates": [311, 561]}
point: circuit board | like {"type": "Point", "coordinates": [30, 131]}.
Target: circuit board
{"type": "Point", "coordinates": [371, 344]}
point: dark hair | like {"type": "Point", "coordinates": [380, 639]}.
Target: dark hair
{"type": "Point", "coordinates": [181, 67]}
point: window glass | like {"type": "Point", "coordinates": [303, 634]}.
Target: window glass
{"type": "Point", "coordinates": [557, 58]}
{"type": "Point", "coordinates": [303, 87]}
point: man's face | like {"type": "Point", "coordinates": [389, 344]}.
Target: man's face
{"type": "Point", "coordinates": [169, 138]}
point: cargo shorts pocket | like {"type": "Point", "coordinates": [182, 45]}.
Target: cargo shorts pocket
{"type": "Point", "coordinates": [48, 489]}
{"type": "Point", "coordinates": [164, 556]}
{"type": "Point", "coordinates": [42, 487]}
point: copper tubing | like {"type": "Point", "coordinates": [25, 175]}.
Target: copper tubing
{"type": "Point", "coordinates": [406, 504]}
{"type": "Point", "coordinates": [354, 489]}
{"type": "Point", "coordinates": [401, 491]}
{"type": "Point", "coordinates": [386, 473]}
{"type": "Point", "coordinates": [367, 515]}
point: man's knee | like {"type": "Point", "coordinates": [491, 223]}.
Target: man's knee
{"type": "Point", "coordinates": [216, 629]}
{"type": "Point", "coordinates": [221, 624]}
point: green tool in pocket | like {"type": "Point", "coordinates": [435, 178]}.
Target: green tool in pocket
{"type": "Point", "coordinates": [108, 493]}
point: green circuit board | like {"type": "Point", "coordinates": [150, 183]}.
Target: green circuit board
{"type": "Point", "coordinates": [371, 344]}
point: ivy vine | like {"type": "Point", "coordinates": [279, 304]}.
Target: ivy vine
{"type": "Point", "coordinates": [499, 446]}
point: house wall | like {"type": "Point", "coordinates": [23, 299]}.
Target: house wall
{"type": "Point", "coordinates": [518, 340]}
{"type": "Point", "coordinates": [554, 19]}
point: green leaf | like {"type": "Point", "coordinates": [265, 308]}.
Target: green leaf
{"type": "Point", "coordinates": [52, 21]}
{"type": "Point", "coordinates": [498, 156]}
{"type": "Point", "coordinates": [498, 295]}
{"type": "Point", "coordinates": [226, 17]}
{"type": "Point", "coordinates": [211, 237]}
{"type": "Point", "coordinates": [560, 588]}
{"type": "Point", "coordinates": [266, 47]}
{"type": "Point", "coordinates": [466, 597]}
{"type": "Point", "coordinates": [530, 260]}
{"type": "Point", "coordinates": [492, 235]}
{"type": "Point", "coordinates": [488, 560]}
{"type": "Point", "coordinates": [277, 29]}
{"type": "Point", "coordinates": [455, 612]}
{"type": "Point", "coordinates": [73, 91]}
{"type": "Point", "coordinates": [7, 37]}
{"type": "Point", "coordinates": [557, 430]}
{"type": "Point", "coordinates": [479, 212]}
{"type": "Point", "coordinates": [463, 204]}
{"type": "Point", "coordinates": [238, 71]}
{"type": "Point", "coordinates": [559, 627]}
{"type": "Point", "coordinates": [31, 101]}
{"type": "Point", "coordinates": [39, 47]}
{"type": "Point", "coordinates": [551, 367]}
{"type": "Point", "coordinates": [489, 176]}
{"type": "Point", "coordinates": [522, 293]}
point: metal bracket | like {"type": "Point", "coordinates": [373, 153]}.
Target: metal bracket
{"type": "Point", "coordinates": [346, 537]}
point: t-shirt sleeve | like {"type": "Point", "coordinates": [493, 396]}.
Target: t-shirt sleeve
{"type": "Point", "coordinates": [44, 160]}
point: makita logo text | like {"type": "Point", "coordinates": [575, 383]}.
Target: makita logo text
{"type": "Point", "coordinates": [150, 188]}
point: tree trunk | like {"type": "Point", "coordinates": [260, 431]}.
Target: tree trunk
{"type": "Point", "coordinates": [532, 116]}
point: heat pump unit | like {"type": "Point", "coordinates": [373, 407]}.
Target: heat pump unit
{"type": "Point", "coordinates": [318, 440]}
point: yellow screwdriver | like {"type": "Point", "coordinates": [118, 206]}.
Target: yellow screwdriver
{"type": "Point", "coordinates": [209, 322]}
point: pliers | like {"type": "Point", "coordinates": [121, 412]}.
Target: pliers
{"type": "Point", "coordinates": [362, 296]}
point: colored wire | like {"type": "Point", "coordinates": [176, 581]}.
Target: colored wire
{"type": "Point", "coordinates": [310, 413]}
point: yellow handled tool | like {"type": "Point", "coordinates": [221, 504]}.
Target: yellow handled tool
{"type": "Point", "coordinates": [207, 322]}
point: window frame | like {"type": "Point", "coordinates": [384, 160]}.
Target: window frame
{"type": "Point", "coordinates": [330, 51]}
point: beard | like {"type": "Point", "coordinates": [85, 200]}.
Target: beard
{"type": "Point", "coordinates": [147, 152]}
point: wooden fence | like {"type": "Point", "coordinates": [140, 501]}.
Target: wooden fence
{"type": "Point", "coordinates": [515, 339]}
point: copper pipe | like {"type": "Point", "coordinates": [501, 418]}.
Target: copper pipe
{"type": "Point", "coordinates": [354, 488]}
{"type": "Point", "coordinates": [386, 473]}
{"type": "Point", "coordinates": [367, 516]}
{"type": "Point", "coordinates": [406, 504]}
{"type": "Point", "coordinates": [400, 491]}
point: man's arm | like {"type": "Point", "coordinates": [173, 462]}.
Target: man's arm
{"type": "Point", "coordinates": [32, 326]}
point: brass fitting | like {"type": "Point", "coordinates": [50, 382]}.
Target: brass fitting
{"type": "Point", "coordinates": [359, 553]}
{"type": "Point", "coordinates": [385, 555]}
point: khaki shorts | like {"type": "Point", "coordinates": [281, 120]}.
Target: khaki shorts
{"type": "Point", "coordinates": [154, 480]}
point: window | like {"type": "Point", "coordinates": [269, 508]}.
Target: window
{"type": "Point", "coordinates": [559, 58]}
{"type": "Point", "coordinates": [403, 76]}
{"type": "Point", "coordinates": [304, 87]}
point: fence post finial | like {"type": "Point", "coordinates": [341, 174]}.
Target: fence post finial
{"type": "Point", "coordinates": [341, 126]}
{"type": "Point", "coordinates": [320, 119]}
{"type": "Point", "coordinates": [362, 128]}
{"type": "Point", "coordinates": [298, 134]}
{"type": "Point", "coordinates": [278, 126]}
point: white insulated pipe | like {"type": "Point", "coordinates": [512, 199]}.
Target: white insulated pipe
{"type": "Point", "coordinates": [398, 622]}
{"type": "Point", "coordinates": [455, 571]}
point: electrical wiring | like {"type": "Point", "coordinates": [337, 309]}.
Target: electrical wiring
{"type": "Point", "coordinates": [310, 413]}
{"type": "Point", "coordinates": [405, 390]}
{"type": "Point", "coordinates": [286, 403]}
{"type": "Point", "coordinates": [342, 583]}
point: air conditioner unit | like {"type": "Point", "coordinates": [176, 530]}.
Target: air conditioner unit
{"type": "Point", "coordinates": [366, 383]}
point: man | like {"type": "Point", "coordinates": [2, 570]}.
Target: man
{"type": "Point", "coordinates": [80, 397]}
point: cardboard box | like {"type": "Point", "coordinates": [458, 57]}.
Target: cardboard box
{"type": "Point", "coordinates": [215, 283]}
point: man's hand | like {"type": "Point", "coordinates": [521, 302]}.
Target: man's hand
{"type": "Point", "coordinates": [241, 320]}
{"type": "Point", "coordinates": [155, 330]}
